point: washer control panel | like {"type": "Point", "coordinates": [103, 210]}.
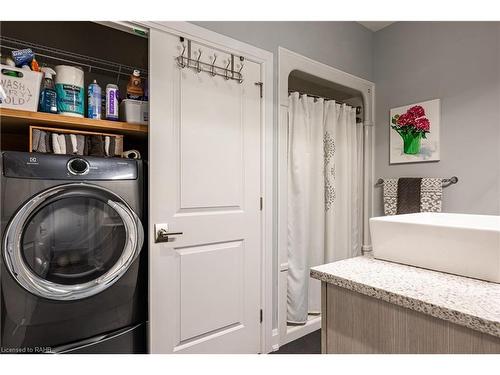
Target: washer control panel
{"type": "Point", "coordinates": [67, 167]}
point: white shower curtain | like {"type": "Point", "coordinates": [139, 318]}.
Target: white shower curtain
{"type": "Point", "coordinates": [324, 195]}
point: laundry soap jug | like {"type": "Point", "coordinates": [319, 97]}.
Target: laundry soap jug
{"type": "Point", "coordinates": [48, 95]}
{"type": "Point", "coordinates": [134, 86]}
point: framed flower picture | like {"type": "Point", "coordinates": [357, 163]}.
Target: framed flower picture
{"type": "Point", "coordinates": [414, 132]}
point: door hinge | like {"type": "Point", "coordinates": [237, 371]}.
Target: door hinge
{"type": "Point", "coordinates": [261, 203]}
{"type": "Point", "coordinates": [261, 316]}
{"type": "Point", "coordinates": [261, 87]}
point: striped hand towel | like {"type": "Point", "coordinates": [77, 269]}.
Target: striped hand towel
{"type": "Point", "coordinates": [408, 195]}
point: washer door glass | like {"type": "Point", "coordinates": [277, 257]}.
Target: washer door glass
{"type": "Point", "coordinates": [72, 241]}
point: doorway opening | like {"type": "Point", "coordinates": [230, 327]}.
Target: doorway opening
{"type": "Point", "coordinates": [311, 79]}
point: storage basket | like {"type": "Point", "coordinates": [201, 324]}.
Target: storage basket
{"type": "Point", "coordinates": [21, 92]}
{"type": "Point", "coordinates": [134, 111]}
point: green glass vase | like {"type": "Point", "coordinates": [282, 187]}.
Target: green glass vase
{"type": "Point", "coordinates": [411, 143]}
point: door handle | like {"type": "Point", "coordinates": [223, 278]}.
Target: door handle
{"type": "Point", "coordinates": [162, 234]}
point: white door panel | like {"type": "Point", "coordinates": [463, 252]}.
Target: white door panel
{"type": "Point", "coordinates": [221, 309]}
{"type": "Point", "coordinates": [211, 141]}
{"type": "Point", "coordinates": [205, 182]}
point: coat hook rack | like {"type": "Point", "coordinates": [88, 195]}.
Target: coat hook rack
{"type": "Point", "coordinates": [228, 72]}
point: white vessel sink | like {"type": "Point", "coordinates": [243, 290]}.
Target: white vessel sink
{"type": "Point", "coordinates": [466, 245]}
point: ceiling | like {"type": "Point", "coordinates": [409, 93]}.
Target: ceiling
{"type": "Point", "coordinates": [375, 25]}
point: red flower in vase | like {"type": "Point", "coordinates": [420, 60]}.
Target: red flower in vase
{"type": "Point", "coordinates": [405, 119]}
{"type": "Point", "coordinates": [412, 126]}
{"type": "Point", "coordinates": [422, 124]}
{"type": "Point", "coordinates": [416, 111]}
{"type": "Point", "coordinates": [412, 120]}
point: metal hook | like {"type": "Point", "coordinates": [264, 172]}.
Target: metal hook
{"type": "Point", "coordinates": [198, 69]}
{"type": "Point", "coordinates": [213, 66]}
{"type": "Point", "coordinates": [180, 59]}
{"type": "Point", "coordinates": [226, 77]}
{"type": "Point", "coordinates": [240, 80]}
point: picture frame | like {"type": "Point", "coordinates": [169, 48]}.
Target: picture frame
{"type": "Point", "coordinates": [415, 132]}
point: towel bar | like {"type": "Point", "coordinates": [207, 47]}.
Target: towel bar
{"type": "Point", "coordinates": [446, 181]}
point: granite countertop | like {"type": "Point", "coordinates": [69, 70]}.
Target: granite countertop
{"type": "Point", "coordinates": [468, 302]}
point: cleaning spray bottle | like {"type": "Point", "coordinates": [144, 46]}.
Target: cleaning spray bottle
{"type": "Point", "coordinates": [48, 95]}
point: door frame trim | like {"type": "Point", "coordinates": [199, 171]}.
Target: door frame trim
{"type": "Point", "coordinates": [265, 60]}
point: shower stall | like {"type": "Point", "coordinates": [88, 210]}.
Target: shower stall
{"type": "Point", "coordinates": [324, 182]}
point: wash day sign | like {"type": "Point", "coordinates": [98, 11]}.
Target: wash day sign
{"type": "Point", "coordinates": [18, 88]}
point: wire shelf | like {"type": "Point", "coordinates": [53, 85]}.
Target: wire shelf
{"type": "Point", "coordinates": [91, 63]}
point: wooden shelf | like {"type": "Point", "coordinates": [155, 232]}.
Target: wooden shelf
{"type": "Point", "coordinates": [13, 119]}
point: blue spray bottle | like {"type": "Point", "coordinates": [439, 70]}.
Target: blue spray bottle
{"type": "Point", "coordinates": [48, 95]}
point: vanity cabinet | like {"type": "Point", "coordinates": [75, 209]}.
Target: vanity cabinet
{"type": "Point", "coordinates": [356, 323]}
{"type": "Point", "coordinates": [374, 306]}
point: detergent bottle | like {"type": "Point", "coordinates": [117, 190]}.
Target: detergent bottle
{"type": "Point", "coordinates": [48, 95]}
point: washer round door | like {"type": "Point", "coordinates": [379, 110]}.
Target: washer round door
{"type": "Point", "coordinates": [72, 241]}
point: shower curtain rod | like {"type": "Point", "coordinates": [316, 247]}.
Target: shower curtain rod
{"type": "Point", "coordinates": [325, 98]}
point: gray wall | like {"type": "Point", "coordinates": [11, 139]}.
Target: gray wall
{"type": "Point", "coordinates": [344, 45]}
{"type": "Point", "coordinates": [458, 62]}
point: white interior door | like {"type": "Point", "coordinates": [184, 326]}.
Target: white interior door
{"type": "Point", "coordinates": [204, 177]}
